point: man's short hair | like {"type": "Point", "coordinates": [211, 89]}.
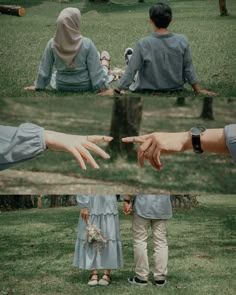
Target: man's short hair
{"type": "Point", "coordinates": [161, 15]}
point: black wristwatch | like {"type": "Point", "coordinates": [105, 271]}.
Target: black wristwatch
{"type": "Point", "coordinates": [196, 133]}
{"type": "Point", "coordinates": [127, 201]}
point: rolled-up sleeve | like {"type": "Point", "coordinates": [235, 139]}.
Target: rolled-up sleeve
{"type": "Point", "coordinates": [19, 144]}
{"type": "Point", "coordinates": [230, 137]}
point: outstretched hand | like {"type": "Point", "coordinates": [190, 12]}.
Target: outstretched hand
{"type": "Point", "coordinates": [154, 144]}
{"type": "Point", "coordinates": [78, 146]}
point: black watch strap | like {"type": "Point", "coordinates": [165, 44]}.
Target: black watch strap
{"type": "Point", "coordinates": [196, 143]}
{"type": "Point", "coordinates": [196, 132]}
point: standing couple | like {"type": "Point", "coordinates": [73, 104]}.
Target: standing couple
{"type": "Point", "coordinates": [101, 211]}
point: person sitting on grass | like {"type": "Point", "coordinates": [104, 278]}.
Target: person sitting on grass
{"type": "Point", "coordinates": [160, 62]}
{"type": "Point", "coordinates": [75, 58]}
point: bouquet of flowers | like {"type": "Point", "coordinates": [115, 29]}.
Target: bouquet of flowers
{"type": "Point", "coordinates": [95, 237]}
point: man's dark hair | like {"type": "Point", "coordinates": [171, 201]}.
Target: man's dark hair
{"type": "Point", "coordinates": [161, 15]}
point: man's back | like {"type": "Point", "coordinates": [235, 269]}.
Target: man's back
{"type": "Point", "coordinates": [164, 63]}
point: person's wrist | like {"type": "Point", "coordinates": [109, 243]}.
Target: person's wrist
{"type": "Point", "coordinates": [48, 136]}
{"type": "Point", "coordinates": [186, 140]}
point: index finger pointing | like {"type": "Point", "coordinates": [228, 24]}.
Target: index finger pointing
{"type": "Point", "coordinates": [134, 139]}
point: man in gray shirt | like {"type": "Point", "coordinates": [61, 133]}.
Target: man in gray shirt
{"type": "Point", "coordinates": [153, 211]}
{"type": "Point", "coordinates": [162, 60]}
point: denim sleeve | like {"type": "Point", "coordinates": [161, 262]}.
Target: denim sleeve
{"type": "Point", "coordinates": [45, 67]}
{"type": "Point", "coordinates": [19, 144]}
{"type": "Point", "coordinates": [230, 136]}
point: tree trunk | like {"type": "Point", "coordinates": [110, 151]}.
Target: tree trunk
{"type": "Point", "coordinates": [126, 121]}
{"type": "Point", "coordinates": [54, 201]}
{"type": "Point", "coordinates": [184, 201]}
{"type": "Point", "coordinates": [223, 9]}
{"type": "Point", "coordinates": [12, 9]}
{"type": "Point", "coordinates": [39, 202]}
{"type": "Point", "coordinates": [180, 101]}
{"type": "Point", "coordinates": [207, 108]}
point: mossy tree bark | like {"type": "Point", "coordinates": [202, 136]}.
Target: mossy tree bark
{"type": "Point", "coordinates": [126, 121]}
{"type": "Point", "coordinates": [207, 108]}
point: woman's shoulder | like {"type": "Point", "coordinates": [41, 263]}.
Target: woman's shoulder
{"type": "Point", "coordinates": [87, 41]}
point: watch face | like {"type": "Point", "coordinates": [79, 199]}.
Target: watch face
{"type": "Point", "coordinates": [197, 130]}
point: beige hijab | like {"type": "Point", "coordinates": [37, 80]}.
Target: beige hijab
{"type": "Point", "coordinates": [68, 39]}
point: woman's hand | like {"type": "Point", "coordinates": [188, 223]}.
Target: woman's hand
{"type": "Point", "coordinates": [107, 92]}
{"type": "Point", "coordinates": [77, 146]}
{"type": "Point", "coordinates": [85, 214]}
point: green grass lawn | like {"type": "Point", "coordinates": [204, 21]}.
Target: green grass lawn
{"type": "Point", "coordinates": [114, 27]}
{"type": "Point", "coordinates": [37, 248]}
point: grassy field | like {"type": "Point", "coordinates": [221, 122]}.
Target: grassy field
{"type": "Point", "coordinates": [114, 27]}
{"type": "Point", "coordinates": [37, 250]}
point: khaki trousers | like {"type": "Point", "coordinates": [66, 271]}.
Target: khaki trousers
{"type": "Point", "coordinates": [140, 228]}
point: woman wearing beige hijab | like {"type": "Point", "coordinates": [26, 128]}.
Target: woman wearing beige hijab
{"type": "Point", "coordinates": [75, 59]}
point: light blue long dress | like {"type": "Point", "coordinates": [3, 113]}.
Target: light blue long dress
{"type": "Point", "coordinates": [103, 213]}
